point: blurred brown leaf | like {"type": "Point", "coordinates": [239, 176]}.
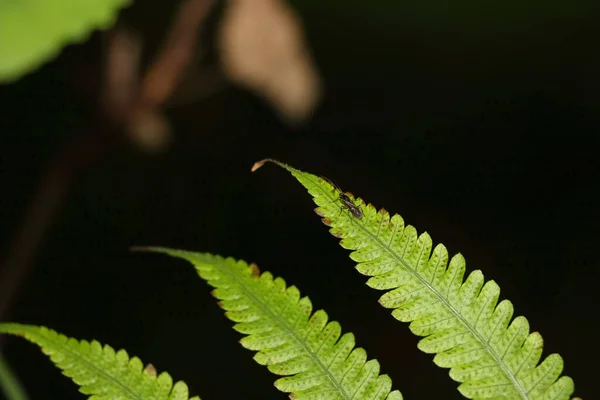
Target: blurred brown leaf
{"type": "Point", "coordinates": [178, 49]}
{"type": "Point", "coordinates": [149, 129]}
{"type": "Point", "coordinates": [121, 74]}
{"type": "Point", "coordinates": [262, 48]}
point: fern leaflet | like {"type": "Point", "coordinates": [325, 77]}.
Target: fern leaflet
{"type": "Point", "coordinates": [101, 372]}
{"type": "Point", "coordinates": [317, 363]}
{"type": "Point", "coordinates": [461, 321]}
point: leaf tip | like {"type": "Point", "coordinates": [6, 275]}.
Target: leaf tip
{"type": "Point", "coordinates": [149, 249]}
{"type": "Point", "coordinates": [139, 249]}
{"type": "Point", "coordinates": [150, 370]}
{"type": "Point", "coordinates": [262, 162]}
{"type": "Point", "coordinates": [254, 270]}
{"type": "Point", "coordinates": [319, 212]}
{"type": "Point", "coordinates": [336, 233]}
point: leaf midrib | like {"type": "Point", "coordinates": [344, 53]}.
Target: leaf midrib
{"type": "Point", "coordinates": [285, 327]}
{"type": "Point", "coordinates": [64, 348]}
{"type": "Point", "coordinates": [424, 282]}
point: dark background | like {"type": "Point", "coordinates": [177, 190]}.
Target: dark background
{"type": "Point", "coordinates": [478, 126]}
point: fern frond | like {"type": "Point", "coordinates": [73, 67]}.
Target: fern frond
{"type": "Point", "coordinates": [101, 372]}
{"type": "Point", "coordinates": [461, 320]}
{"type": "Point", "coordinates": [289, 339]}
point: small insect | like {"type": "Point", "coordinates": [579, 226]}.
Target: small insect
{"type": "Point", "coordinates": [348, 204]}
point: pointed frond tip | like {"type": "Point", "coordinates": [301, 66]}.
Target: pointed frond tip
{"type": "Point", "coordinates": [310, 352]}
{"type": "Point", "coordinates": [460, 319]}
{"type": "Point", "coordinates": [262, 162]}
{"type": "Point", "coordinates": [100, 371]}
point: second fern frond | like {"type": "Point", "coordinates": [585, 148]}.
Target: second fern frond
{"type": "Point", "coordinates": [316, 360]}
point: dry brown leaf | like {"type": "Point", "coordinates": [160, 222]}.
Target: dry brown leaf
{"type": "Point", "coordinates": [262, 48]}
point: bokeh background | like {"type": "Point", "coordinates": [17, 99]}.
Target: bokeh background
{"type": "Point", "coordinates": [478, 124]}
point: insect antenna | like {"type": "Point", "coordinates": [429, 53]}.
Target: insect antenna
{"type": "Point", "coordinates": [346, 202]}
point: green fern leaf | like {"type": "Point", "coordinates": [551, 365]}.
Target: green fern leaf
{"type": "Point", "coordinates": [306, 349]}
{"type": "Point", "coordinates": [101, 372]}
{"type": "Point", "coordinates": [462, 321]}
{"type": "Point", "coordinates": [34, 31]}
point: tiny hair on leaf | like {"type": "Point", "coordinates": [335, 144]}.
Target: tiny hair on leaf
{"type": "Point", "coordinates": [460, 319]}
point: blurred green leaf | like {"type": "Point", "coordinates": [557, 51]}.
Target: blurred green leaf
{"type": "Point", "coordinates": [35, 31]}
